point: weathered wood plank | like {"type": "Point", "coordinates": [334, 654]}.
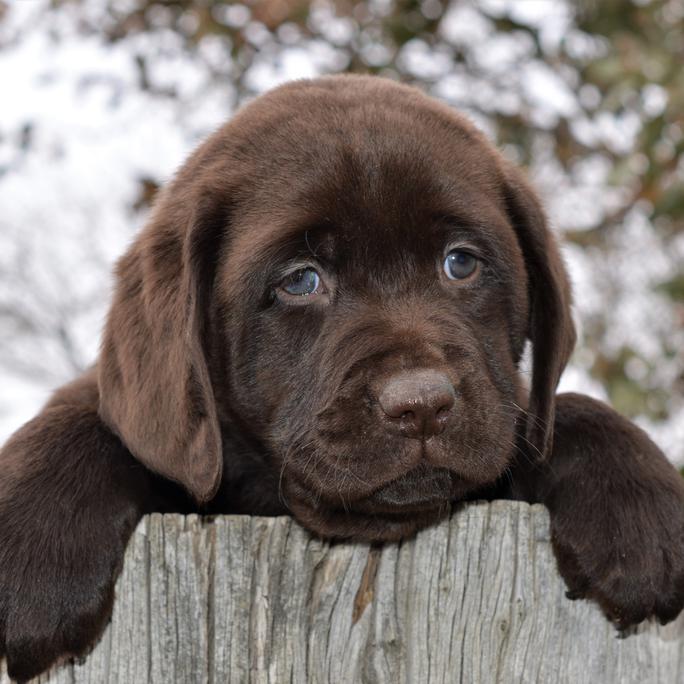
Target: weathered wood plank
{"type": "Point", "coordinates": [476, 599]}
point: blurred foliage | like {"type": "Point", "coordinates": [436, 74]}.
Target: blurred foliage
{"type": "Point", "coordinates": [643, 64]}
{"type": "Point", "coordinates": [615, 82]}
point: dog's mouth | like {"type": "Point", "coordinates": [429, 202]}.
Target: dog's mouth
{"type": "Point", "coordinates": [422, 488]}
{"type": "Point", "coordinates": [393, 511]}
{"type": "Point", "coordinates": [371, 503]}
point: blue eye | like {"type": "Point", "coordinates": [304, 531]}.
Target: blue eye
{"type": "Point", "coordinates": [303, 282]}
{"type": "Point", "coordinates": [458, 264]}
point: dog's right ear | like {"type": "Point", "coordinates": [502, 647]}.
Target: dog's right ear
{"type": "Point", "coordinates": [551, 329]}
{"type": "Point", "coordinates": [154, 382]}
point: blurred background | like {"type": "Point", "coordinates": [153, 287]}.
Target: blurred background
{"type": "Point", "coordinates": [101, 100]}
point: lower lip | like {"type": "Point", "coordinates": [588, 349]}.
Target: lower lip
{"type": "Point", "coordinates": [416, 489]}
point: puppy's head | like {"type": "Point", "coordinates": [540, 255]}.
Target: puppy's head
{"type": "Point", "coordinates": [346, 274]}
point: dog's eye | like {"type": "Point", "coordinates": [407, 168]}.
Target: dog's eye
{"type": "Point", "coordinates": [303, 282]}
{"type": "Point", "coordinates": [459, 265]}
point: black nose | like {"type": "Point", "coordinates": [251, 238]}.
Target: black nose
{"type": "Point", "coordinates": [418, 403]}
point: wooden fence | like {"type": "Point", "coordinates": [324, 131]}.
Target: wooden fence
{"type": "Point", "coordinates": [476, 599]}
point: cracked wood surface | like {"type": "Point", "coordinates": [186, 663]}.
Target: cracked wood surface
{"type": "Point", "coordinates": [476, 599]}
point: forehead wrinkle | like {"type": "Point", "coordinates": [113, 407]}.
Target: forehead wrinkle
{"type": "Point", "coordinates": [261, 238]}
{"type": "Point", "coordinates": [259, 246]}
{"type": "Point", "coordinates": [480, 213]}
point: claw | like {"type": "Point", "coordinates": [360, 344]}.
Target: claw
{"type": "Point", "coordinates": [624, 631]}
{"type": "Point", "coordinates": [664, 619]}
{"type": "Point", "coordinates": [575, 594]}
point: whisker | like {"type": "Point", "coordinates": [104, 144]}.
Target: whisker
{"type": "Point", "coordinates": [288, 456]}
{"type": "Point", "coordinates": [538, 421]}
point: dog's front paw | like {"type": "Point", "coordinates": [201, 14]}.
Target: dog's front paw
{"type": "Point", "coordinates": [617, 515]}
{"type": "Point", "coordinates": [629, 558]}
{"type": "Point", "coordinates": [70, 496]}
{"type": "Point", "coordinates": [55, 598]}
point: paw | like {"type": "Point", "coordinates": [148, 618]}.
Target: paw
{"type": "Point", "coordinates": [617, 513]}
{"type": "Point", "coordinates": [70, 496]}
{"type": "Point", "coordinates": [56, 596]}
{"type": "Point", "coordinates": [626, 552]}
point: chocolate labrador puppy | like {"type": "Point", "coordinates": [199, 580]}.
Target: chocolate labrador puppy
{"type": "Point", "coordinates": [325, 316]}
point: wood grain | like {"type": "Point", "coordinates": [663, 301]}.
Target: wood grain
{"type": "Point", "coordinates": [476, 599]}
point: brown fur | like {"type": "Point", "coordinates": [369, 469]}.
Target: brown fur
{"type": "Point", "coordinates": [212, 382]}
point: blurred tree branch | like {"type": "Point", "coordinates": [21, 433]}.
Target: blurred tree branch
{"type": "Point", "coordinates": [588, 94]}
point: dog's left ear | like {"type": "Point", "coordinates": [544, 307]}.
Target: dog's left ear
{"type": "Point", "coordinates": [551, 329]}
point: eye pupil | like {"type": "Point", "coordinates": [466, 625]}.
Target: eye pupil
{"type": "Point", "coordinates": [302, 282]}
{"type": "Point", "coordinates": [459, 264]}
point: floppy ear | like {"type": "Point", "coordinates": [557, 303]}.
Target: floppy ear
{"type": "Point", "coordinates": [551, 329]}
{"type": "Point", "coordinates": [154, 383]}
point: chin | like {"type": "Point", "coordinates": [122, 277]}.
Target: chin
{"type": "Point", "coordinates": [395, 510]}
